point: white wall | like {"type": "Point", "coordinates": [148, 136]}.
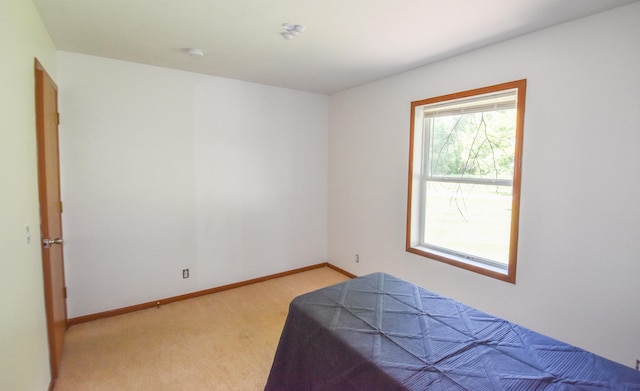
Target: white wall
{"type": "Point", "coordinates": [24, 351]}
{"type": "Point", "coordinates": [164, 170]}
{"type": "Point", "coordinates": [578, 276]}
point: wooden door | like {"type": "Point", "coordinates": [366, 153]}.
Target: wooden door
{"type": "Point", "coordinates": [50, 214]}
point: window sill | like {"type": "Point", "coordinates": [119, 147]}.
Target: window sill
{"type": "Point", "coordinates": [500, 273]}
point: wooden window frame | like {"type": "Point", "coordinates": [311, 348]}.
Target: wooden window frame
{"type": "Point", "coordinates": [508, 275]}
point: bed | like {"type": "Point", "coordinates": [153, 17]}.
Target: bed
{"type": "Point", "coordinates": [378, 332]}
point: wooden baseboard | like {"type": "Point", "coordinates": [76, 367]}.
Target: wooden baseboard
{"type": "Point", "coordinates": [346, 273]}
{"type": "Point", "coordinates": [156, 303]}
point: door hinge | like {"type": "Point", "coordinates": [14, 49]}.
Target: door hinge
{"type": "Point", "coordinates": [58, 118]}
{"type": "Point", "coordinates": [65, 292]}
{"type": "Point", "coordinates": [60, 206]}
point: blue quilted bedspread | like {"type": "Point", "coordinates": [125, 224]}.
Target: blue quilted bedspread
{"type": "Point", "coordinates": [378, 332]}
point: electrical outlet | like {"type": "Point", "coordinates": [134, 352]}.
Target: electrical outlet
{"type": "Point", "coordinates": [357, 258]}
{"type": "Point", "coordinates": [185, 273]}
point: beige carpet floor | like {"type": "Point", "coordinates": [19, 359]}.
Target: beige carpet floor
{"type": "Point", "coordinates": [223, 341]}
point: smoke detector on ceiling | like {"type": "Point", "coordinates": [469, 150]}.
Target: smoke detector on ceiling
{"type": "Point", "coordinates": [195, 53]}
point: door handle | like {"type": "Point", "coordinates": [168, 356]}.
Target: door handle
{"type": "Point", "coordinates": [50, 242]}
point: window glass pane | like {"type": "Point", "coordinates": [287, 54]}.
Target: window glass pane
{"type": "Point", "coordinates": [475, 145]}
{"type": "Point", "coordinates": [469, 218]}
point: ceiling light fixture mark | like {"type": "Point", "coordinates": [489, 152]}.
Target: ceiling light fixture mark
{"type": "Point", "coordinates": [291, 30]}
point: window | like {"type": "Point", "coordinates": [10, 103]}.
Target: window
{"type": "Point", "coordinates": [464, 178]}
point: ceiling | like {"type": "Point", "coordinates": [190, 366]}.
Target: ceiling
{"type": "Point", "coordinates": [345, 43]}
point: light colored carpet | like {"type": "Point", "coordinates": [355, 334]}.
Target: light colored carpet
{"type": "Point", "coordinates": [223, 341]}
